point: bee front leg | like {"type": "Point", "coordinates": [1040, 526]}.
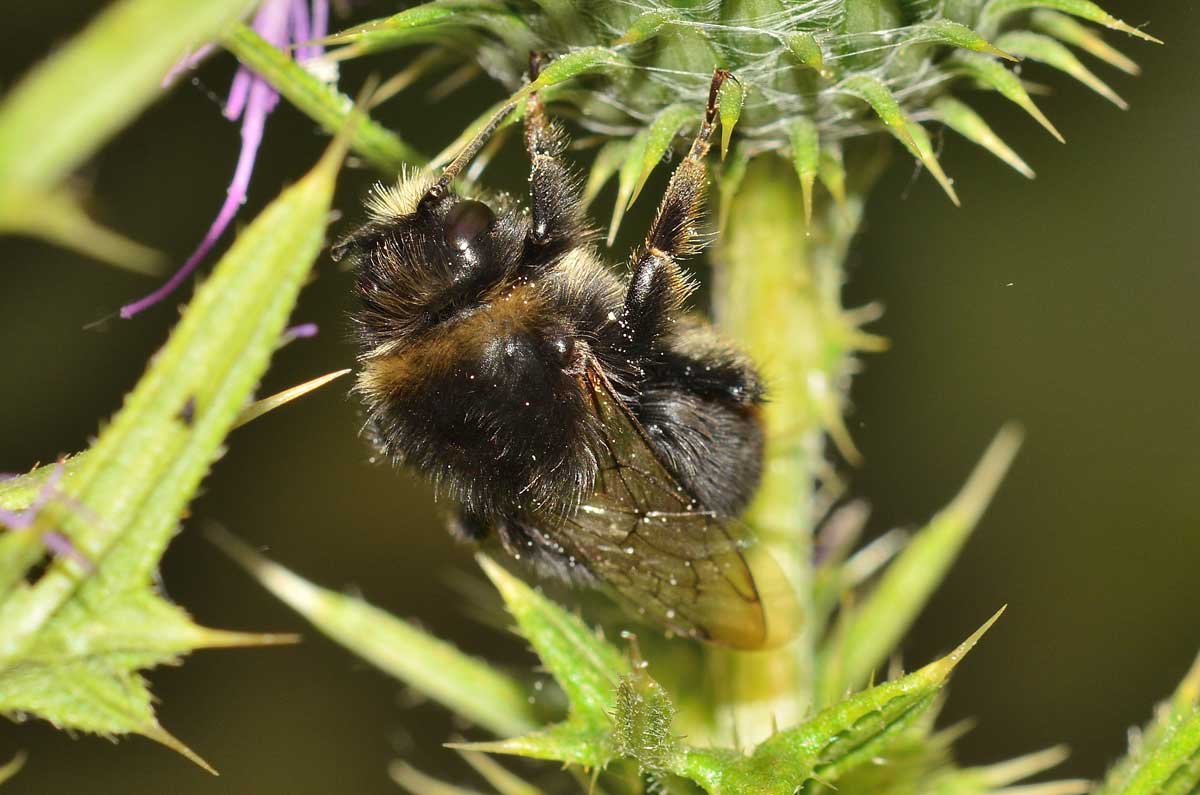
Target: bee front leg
{"type": "Point", "coordinates": [657, 289]}
{"type": "Point", "coordinates": [556, 223]}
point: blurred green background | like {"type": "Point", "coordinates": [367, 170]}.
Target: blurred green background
{"type": "Point", "coordinates": [1067, 303]}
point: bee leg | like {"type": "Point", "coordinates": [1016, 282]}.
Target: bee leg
{"type": "Point", "coordinates": [523, 542]}
{"type": "Point", "coordinates": [534, 548]}
{"type": "Point", "coordinates": [557, 219]}
{"type": "Point", "coordinates": [658, 287]}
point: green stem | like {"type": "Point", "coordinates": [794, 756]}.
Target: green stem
{"type": "Point", "coordinates": [777, 291]}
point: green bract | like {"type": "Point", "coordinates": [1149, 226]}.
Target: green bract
{"type": "Point", "coordinates": [828, 70]}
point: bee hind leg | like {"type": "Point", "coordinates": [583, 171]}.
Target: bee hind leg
{"type": "Point", "coordinates": [545, 556]}
{"type": "Point", "coordinates": [524, 542]}
{"type": "Point", "coordinates": [658, 287]}
{"type": "Point", "coordinates": [556, 223]}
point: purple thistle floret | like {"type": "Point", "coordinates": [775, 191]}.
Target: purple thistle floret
{"type": "Point", "coordinates": [282, 23]}
{"type": "Point", "coordinates": [301, 331]}
{"type": "Point", "coordinates": [23, 520]}
{"type": "Point", "coordinates": [57, 543]}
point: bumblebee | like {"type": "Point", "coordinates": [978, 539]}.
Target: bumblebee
{"type": "Point", "coordinates": [586, 422]}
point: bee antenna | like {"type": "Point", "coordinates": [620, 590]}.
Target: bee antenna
{"type": "Point", "coordinates": [460, 161]}
{"type": "Point", "coordinates": [440, 188]}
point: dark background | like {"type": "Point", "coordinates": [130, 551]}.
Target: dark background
{"type": "Point", "coordinates": [1067, 303]}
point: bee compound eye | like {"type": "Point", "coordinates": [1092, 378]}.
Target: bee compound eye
{"type": "Point", "coordinates": [466, 222]}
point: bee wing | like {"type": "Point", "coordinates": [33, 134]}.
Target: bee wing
{"type": "Point", "coordinates": [645, 535]}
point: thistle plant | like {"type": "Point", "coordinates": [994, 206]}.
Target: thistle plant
{"type": "Point", "coordinates": [823, 90]}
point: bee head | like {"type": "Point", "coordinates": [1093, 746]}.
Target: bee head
{"type": "Point", "coordinates": [426, 256]}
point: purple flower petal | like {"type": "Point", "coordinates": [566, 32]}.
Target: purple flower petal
{"type": "Point", "coordinates": [253, 99]}
{"type": "Point", "coordinates": [301, 331]}
{"type": "Point", "coordinates": [239, 90]}
{"type": "Point", "coordinates": [187, 63]}
{"type": "Point", "coordinates": [301, 31]}
{"type": "Point", "coordinates": [271, 21]}
{"type": "Point", "coordinates": [21, 520]}
{"type": "Point", "coordinates": [320, 23]}
{"type": "Point", "coordinates": [61, 547]}
{"type": "Point", "coordinates": [17, 520]}
{"type": "Point", "coordinates": [304, 30]}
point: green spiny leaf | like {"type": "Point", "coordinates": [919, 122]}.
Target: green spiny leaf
{"type": "Point", "coordinates": [645, 151]}
{"type": "Point", "coordinates": [1173, 767]}
{"type": "Point", "coordinates": [915, 760]}
{"type": "Point", "coordinates": [588, 60]}
{"type": "Point", "coordinates": [498, 776]}
{"type": "Point", "coordinates": [21, 492]}
{"type": "Point", "coordinates": [467, 686]}
{"type": "Point", "coordinates": [831, 170]}
{"type": "Point", "coordinates": [1084, 9]}
{"type": "Point", "coordinates": [572, 742]}
{"type": "Point", "coordinates": [1148, 744]}
{"type": "Point", "coordinates": [322, 103]}
{"type": "Point", "coordinates": [837, 739]}
{"type": "Point", "coordinates": [1037, 47]}
{"type": "Point", "coordinates": [72, 642]}
{"type": "Point", "coordinates": [659, 137]}
{"type": "Point", "coordinates": [587, 667]}
{"type": "Point", "coordinates": [867, 16]}
{"type": "Point", "coordinates": [1065, 28]}
{"type": "Point", "coordinates": [959, 117]}
{"type": "Point", "coordinates": [58, 218]}
{"type": "Point", "coordinates": [608, 161]}
{"type": "Point", "coordinates": [132, 44]}
{"type": "Point", "coordinates": [647, 26]}
{"type": "Point", "coordinates": [412, 780]}
{"type": "Point", "coordinates": [433, 22]}
{"type": "Point", "coordinates": [425, 15]}
{"type": "Point", "coordinates": [995, 76]}
{"type": "Point", "coordinates": [922, 149]}
{"type": "Point", "coordinates": [872, 91]}
{"type": "Point", "coordinates": [1011, 771]}
{"type": "Point", "coordinates": [806, 157]}
{"type": "Point", "coordinates": [950, 33]}
{"type": "Point", "coordinates": [80, 673]}
{"type": "Point", "coordinates": [805, 48]}
{"type": "Point", "coordinates": [998, 779]}
{"type": "Point", "coordinates": [19, 551]}
{"type": "Point", "coordinates": [871, 631]}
